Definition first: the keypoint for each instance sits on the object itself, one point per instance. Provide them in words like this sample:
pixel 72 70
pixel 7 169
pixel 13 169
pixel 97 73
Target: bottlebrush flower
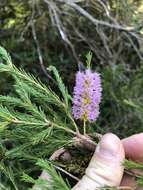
pixel 87 95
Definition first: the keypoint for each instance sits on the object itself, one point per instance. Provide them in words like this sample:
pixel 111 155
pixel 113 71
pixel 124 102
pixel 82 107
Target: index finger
pixel 133 146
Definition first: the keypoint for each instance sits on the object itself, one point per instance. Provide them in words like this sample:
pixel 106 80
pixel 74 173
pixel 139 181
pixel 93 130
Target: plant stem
pixel 76 128
pixel 48 123
pixel 84 127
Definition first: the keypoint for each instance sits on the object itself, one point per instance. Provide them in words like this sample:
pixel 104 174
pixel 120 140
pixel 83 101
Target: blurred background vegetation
pixel 38 33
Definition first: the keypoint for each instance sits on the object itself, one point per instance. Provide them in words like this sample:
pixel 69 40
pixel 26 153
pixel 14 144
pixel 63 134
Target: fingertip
pixel 110 146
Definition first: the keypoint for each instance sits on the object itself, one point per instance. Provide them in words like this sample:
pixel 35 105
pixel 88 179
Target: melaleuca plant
pixel 37 125
pixel 34 122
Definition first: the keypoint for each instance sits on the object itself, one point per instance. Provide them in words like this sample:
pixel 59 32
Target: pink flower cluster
pixel 87 96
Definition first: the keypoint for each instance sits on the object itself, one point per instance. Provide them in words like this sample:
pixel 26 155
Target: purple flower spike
pixel 87 96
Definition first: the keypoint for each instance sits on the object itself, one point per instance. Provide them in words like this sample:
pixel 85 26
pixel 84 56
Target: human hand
pixel 106 165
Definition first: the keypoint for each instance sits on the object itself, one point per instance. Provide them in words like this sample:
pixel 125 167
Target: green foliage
pixel 5 56
pixel 89 58
pixel 61 85
pixel 55 180
pixel 31 121
pixel 121 109
pixel 9 173
pixel 133 165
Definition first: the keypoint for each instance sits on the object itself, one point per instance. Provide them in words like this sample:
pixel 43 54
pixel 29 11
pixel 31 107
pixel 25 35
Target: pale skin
pixel 105 167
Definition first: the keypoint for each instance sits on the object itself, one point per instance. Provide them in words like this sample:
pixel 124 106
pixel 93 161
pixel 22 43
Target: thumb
pixel 105 167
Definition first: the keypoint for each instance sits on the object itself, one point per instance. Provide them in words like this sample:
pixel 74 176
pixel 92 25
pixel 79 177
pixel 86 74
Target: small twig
pixel 133 172
pixel 39 50
pixel 67 173
pixel 85 141
pixel 84 127
pixel 38 45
